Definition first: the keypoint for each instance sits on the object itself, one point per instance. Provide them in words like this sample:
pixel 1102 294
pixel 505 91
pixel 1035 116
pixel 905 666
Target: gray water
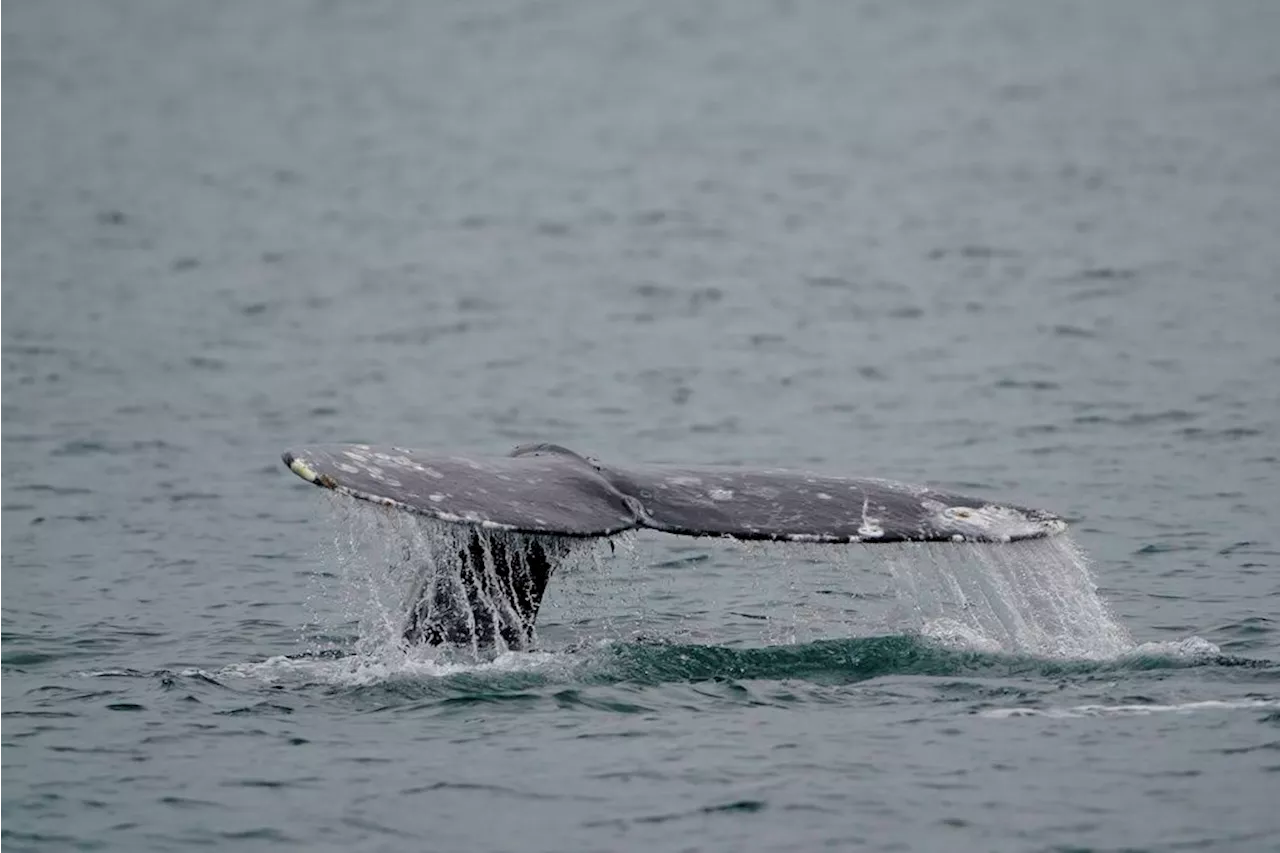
pixel 1026 250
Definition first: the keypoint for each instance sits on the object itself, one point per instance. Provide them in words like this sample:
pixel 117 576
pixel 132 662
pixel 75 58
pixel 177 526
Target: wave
pixel 427 672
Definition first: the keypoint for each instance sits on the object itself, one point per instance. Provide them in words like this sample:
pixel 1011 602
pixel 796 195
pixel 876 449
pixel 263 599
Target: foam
pixel 1143 710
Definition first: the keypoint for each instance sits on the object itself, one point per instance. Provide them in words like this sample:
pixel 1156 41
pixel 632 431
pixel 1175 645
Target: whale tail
pixel 523 509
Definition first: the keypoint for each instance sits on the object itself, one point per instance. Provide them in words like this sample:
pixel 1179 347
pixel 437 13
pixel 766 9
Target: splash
pixel 1033 597
pixel 390 663
pixel 389 560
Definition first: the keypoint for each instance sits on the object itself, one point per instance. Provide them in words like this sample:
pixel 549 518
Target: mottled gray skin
pixel 550 490
pixel 545 488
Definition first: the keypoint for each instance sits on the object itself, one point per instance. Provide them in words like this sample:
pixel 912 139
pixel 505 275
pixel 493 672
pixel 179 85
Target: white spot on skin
pixel 720 494
pixel 823 496
pixel 992 523
pixel 302 470
pixel 350 469
pixel 685 481
pixel 359 457
pixel 436 498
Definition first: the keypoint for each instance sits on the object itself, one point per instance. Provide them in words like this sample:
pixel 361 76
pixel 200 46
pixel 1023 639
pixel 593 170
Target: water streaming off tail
pixel 1034 597
pixel 389 560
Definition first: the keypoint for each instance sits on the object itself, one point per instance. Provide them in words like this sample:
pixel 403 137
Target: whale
pixel 519 513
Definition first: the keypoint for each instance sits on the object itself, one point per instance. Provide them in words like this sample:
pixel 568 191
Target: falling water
pixel 388 559
pixel 1034 597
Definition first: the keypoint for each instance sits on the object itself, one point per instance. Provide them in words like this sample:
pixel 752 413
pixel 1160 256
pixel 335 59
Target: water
pixel 1033 597
pixel 1024 250
pixel 1036 597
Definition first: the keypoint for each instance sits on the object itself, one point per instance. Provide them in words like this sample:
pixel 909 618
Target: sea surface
pixel 1022 250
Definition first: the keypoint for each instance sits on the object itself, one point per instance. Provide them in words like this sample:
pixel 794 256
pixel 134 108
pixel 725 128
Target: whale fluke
pixel 546 488
pixel 550 491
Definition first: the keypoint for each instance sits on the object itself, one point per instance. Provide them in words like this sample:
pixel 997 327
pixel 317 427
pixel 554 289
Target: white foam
pixel 1131 710
pixel 114 673
pixel 1191 648
pixel 358 670
pixel 953 634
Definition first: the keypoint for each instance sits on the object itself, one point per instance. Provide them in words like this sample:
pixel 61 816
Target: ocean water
pixel 1019 250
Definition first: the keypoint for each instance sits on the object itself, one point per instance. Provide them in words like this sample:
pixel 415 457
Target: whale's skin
pixel 548 489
